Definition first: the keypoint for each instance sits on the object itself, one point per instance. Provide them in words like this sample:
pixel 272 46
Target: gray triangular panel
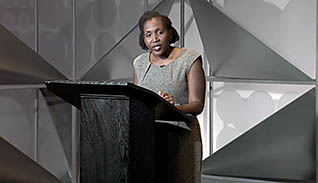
pixel 60 114
pixel 118 63
pixel 153 3
pixel 282 147
pixel 234 52
pixel 19 64
pixel 15 167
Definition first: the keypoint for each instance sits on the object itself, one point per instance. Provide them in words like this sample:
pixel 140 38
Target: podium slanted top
pixel 70 91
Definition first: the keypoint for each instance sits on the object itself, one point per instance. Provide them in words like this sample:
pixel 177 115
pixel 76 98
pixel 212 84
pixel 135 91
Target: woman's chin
pixel 157 52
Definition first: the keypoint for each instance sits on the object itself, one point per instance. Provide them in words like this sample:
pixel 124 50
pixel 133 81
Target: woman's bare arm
pixel 135 78
pixel 196 85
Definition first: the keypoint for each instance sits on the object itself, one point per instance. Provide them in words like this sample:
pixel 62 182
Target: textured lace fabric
pixel 172 79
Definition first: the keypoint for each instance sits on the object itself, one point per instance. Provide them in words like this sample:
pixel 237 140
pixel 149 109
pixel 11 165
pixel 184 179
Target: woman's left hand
pixel 169 98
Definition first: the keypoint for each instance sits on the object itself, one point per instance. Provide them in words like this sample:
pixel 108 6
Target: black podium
pixel 123 132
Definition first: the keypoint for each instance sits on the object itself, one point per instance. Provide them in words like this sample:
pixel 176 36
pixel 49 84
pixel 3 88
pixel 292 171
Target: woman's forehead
pixel 154 23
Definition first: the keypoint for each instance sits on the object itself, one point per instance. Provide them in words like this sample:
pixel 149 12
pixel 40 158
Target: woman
pixel 176 74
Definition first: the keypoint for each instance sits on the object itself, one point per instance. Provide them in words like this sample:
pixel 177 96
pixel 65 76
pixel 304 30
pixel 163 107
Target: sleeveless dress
pixel 172 79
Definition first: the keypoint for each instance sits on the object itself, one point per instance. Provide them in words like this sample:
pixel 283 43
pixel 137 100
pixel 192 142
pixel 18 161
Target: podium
pixel 124 131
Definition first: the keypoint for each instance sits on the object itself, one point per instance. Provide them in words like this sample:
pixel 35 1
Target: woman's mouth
pixel 157 48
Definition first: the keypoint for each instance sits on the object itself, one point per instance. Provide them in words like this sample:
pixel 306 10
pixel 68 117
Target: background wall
pixel 288 28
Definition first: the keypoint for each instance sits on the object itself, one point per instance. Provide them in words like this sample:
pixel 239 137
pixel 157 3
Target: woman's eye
pixel 148 35
pixel 160 32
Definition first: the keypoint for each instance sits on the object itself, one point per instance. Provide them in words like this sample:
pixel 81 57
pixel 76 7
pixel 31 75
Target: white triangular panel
pixel 234 52
pixel 239 107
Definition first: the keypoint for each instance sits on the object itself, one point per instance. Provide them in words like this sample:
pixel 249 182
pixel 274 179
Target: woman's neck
pixel 165 57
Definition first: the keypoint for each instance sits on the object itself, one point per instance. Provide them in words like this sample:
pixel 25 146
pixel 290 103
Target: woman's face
pixel 156 37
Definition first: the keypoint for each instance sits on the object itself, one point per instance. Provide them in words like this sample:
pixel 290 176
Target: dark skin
pixel 157 38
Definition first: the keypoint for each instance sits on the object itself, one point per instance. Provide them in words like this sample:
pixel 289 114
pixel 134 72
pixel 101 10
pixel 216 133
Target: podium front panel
pixel 117 140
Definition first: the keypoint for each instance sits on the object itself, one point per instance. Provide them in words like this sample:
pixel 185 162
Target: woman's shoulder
pixel 141 59
pixel 191 52
pixel 189 56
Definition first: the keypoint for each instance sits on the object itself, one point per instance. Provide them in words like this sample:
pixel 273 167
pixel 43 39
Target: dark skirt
pixel 183 157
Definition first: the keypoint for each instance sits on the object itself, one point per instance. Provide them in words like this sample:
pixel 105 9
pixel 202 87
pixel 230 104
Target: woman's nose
pixel 155 38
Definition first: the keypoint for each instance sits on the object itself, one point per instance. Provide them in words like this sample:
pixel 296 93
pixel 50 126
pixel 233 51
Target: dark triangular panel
pixel 15 167
pixel 19 64
pixel 234 52
pixel 117 64
pixel 282 147
pixel 60 115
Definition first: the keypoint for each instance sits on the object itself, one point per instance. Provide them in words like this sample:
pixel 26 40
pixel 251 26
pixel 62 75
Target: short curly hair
pixel 166 21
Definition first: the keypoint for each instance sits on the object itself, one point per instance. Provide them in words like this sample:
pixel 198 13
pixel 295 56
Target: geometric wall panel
pixel 153 3
pixel 19 64
pixel 18 18
pixel 17 119
pixel 286 26
pixel 55 34
pixel 117 63
pixel 233 52
pixel 100 25
pixel 54 135
pixel 282 147
pixel 18 168
pixel 237 107
pixel 59 117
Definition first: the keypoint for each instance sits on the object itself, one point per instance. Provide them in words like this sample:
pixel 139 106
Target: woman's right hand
pixel 168 97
